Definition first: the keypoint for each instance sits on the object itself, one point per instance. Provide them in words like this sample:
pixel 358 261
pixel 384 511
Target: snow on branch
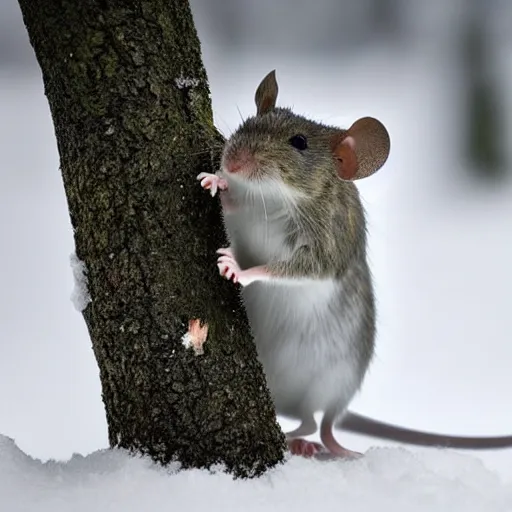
pixel 80 295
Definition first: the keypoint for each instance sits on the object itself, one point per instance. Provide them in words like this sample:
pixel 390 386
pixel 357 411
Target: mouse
pixel 298 250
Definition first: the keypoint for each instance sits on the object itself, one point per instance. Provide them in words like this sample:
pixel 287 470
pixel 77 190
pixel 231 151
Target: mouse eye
pixel 299 142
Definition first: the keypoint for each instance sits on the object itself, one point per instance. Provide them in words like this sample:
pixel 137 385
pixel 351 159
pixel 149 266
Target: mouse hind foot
pixel 299 446
pixel 333 447
pixel 309 449
pixel 330 448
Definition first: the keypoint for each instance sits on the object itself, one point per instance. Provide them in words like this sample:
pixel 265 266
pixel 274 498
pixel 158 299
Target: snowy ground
pixel 440 249
pixel 386 479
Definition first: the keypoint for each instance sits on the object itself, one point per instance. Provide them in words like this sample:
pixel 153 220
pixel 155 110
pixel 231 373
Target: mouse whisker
pixel 240 114
pixel 264 205
pixel 266 215
pixel 204 151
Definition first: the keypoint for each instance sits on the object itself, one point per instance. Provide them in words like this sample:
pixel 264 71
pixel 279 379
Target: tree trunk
pixel 130 105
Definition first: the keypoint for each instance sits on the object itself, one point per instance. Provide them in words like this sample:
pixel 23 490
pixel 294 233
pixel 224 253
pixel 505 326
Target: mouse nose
pixel 233 166
pixel 237 161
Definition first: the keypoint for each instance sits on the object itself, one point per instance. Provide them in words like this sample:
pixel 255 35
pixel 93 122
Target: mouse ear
pixel 266 94
pixel 362 150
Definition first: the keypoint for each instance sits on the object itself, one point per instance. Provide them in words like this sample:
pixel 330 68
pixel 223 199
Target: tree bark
pixel 132 115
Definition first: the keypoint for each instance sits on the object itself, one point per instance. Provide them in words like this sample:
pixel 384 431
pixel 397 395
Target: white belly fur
pixel 308 346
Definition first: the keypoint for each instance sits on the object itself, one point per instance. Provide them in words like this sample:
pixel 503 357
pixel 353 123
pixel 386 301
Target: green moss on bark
pixel 132 137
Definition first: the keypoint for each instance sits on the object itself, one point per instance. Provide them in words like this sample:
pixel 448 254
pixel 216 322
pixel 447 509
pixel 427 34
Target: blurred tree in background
pixel 483 123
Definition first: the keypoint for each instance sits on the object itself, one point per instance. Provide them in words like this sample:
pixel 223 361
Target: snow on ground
pixel 386 479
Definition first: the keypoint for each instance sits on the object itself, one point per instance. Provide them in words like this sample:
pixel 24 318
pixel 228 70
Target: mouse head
pixel 277 143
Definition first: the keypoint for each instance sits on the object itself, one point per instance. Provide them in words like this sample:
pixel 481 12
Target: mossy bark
pixel 130 103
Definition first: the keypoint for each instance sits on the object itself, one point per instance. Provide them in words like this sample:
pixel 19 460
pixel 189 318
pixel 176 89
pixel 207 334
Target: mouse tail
pixel 358 424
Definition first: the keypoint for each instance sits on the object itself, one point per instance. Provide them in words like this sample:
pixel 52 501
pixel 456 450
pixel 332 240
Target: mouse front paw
pixel 229 268
pixel 212 182
pixel 227 265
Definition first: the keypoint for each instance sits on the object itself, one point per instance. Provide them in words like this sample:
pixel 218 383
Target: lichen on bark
pixel 131 140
